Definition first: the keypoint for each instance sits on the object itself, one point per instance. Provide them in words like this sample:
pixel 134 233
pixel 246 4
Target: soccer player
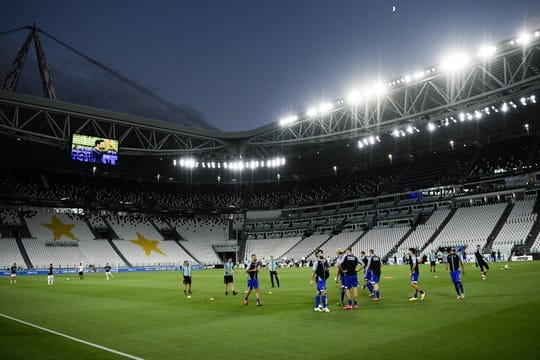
pixel 108 271
pixel 374 268
pixel 367 273
pixel 81 271
pixel 321 272
pixel 272 268
pixel 349 269
pixel 481 261
pixel 186 271
pixel 432 261
pixel 454 264
pixel 50 275
pixel 252 270
pixel 228 279
pixel 339 276
pixel 13 276
pixel 415 273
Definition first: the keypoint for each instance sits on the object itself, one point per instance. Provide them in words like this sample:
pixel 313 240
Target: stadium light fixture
pixel 455 62
pixel 288 120
pixel 312 111
pixel 524 39
pixel 504 107
pixel 431 127
pixel 379 88
pixel 325 107
pixel 410 129
pixel 487 51
pixel 360 144
pixel 477 115
pixel 418 75
pixel 395 133
pixel 354 97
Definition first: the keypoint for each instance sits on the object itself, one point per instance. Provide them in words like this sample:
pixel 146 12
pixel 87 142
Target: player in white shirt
pixel 81 271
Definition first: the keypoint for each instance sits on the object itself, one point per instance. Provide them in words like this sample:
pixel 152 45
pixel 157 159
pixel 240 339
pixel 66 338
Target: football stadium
pixel 398 219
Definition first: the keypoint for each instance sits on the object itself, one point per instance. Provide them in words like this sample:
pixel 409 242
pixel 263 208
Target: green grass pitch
pixel 147 315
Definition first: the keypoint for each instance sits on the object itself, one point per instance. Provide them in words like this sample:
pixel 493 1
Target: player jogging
pixel 321 272
pixel 252 270
pixel 80 269
pixel 455 265
pixel 339 276
pixel 374 268
pixel 415 274
pixel 272 268
pixel 349 269
pixel 50 275
pixel 228 279
pixel 13 275
pixel 108 273
pixel 481 262
pixel 186 272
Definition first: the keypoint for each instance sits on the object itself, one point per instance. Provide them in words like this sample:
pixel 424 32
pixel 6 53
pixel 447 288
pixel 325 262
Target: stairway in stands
pixel 358 239
pixel 187 251
pixel 498 226
pixel 401 241
pixel 319 246
pixel 439 229
pixel 535 229
pixel 292 247
pixel 119 253
pixel 24 254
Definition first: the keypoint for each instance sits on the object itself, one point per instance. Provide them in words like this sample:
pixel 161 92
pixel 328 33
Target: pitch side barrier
pixel 121 269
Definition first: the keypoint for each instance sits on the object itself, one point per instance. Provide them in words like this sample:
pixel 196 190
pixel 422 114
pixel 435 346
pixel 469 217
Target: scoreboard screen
pixel 93 149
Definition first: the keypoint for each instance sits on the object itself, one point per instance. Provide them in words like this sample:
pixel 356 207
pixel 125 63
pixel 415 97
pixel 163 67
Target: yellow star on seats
pixel 60 229
pixel 147 245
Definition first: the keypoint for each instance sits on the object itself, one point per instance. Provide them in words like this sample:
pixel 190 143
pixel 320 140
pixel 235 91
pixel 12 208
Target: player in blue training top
pixel 321 272
pixel 455 265
pixel 349 269
pixel 252 270
pixel 340 254
pixel 367 273
pixel 415 273
pixel 186 271
pixel 374 268
pixel 228 279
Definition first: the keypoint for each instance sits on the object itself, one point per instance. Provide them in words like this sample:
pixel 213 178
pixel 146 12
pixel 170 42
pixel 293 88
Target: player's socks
pixel 355 302
pixel 342 295
pixel 456 286
pixel 377 294
pixel 324 301
pixel 350 302
pixel 461 288
pixel 317 300
pixel 370 288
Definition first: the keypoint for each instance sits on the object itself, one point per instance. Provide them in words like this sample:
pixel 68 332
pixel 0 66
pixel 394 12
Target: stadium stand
pixel 10 253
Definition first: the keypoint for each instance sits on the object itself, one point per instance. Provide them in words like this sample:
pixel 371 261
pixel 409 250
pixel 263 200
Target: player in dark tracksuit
pixel 481 261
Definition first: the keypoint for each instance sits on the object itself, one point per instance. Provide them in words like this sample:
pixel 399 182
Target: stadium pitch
pixel 146 315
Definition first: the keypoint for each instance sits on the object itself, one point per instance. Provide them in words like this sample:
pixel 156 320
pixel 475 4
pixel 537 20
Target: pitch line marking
pixel 72 338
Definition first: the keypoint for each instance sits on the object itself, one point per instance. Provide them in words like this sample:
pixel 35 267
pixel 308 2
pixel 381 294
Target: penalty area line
pixel 72 338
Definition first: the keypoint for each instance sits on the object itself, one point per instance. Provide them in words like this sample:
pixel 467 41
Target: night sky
pixel 242 64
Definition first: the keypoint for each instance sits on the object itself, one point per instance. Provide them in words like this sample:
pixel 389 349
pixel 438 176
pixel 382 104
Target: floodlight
pixel 379 88
pixel 487 51
pixel 288 120
pixel 537 34
pixel 324 107
pixel 311 111
pixel 360 144
pixel 408 78
pixel 410 129
pixel 523 101
pixel 431 127
pixel 524 39
pixel 366 142
pixel 455 62
pixel 504 107
pixel 371 140
pixel 418 75
pixel 477 115
pixel 395 133
pixel 353 97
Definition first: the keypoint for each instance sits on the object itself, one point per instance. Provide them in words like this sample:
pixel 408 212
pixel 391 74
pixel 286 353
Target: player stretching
pixel 321 272
pixel 252 270
pixel 454 264
pixel 50 275
pixel 415 273
pixel 228 279
pixel 481 261
pixel 186 272
pixel 108 273
pixel 374 268
pixel 339 276
pixel 349 269
pixel 367 274
pixel 13 276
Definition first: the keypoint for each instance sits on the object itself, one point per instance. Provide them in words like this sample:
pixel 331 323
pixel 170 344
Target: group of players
pixel 348 266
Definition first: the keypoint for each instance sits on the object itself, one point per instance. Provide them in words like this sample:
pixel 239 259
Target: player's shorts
pixel 414 277
pixel 187 280
pixel 321 285
pixel 483 265
pixel 350 281
pixel 107 272
pixel 227 279
pixel 455 276
pixel 367 275
pixel 342 281
pixel 432 263
pixel 50 277
pixel 80 273
pixel 13 275
pixel 374 279
pixel 253 283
